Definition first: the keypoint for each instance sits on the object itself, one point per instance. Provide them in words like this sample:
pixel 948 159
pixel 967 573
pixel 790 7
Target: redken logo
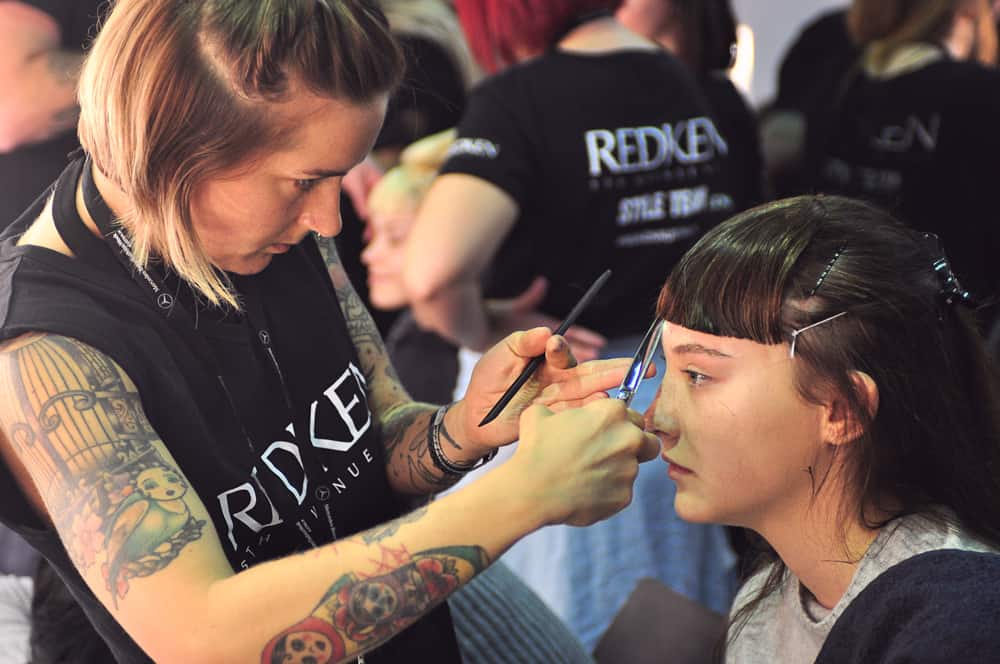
pixel 637 149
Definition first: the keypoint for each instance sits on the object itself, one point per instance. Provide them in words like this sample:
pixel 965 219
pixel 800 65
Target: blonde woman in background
pixel 913 127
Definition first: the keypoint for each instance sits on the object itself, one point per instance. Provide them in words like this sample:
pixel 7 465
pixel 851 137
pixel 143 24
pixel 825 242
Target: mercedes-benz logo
pixel 165 300
pixel 323 493
pixel 265 337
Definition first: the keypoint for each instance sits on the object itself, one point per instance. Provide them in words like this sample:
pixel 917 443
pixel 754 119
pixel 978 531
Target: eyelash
pixel 695 379
pixel 307 185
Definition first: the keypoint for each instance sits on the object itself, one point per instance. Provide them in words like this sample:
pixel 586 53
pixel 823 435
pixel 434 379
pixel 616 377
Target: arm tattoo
pixel 404 424
pixel 379 533
pixel 76 422
pixel 357 614
pixel 405 432
pixel 360 326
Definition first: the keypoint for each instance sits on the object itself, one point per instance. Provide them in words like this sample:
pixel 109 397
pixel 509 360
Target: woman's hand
pixel 578 466
pixel 559 384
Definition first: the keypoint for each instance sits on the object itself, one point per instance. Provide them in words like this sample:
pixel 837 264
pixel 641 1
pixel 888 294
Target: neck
pixel 666 35
pixel 810 539
pixel 604 34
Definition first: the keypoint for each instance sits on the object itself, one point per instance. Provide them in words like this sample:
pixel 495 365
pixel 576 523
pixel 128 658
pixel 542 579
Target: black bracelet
pixel 437 453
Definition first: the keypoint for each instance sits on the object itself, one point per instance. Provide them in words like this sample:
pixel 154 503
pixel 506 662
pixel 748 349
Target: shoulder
pixel 956 82
pixel 939 606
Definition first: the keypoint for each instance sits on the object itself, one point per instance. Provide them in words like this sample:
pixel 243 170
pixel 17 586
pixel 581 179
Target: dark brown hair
pixel 934 441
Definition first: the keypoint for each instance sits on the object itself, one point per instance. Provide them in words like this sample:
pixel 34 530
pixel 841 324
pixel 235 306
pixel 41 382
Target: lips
pixel 676 468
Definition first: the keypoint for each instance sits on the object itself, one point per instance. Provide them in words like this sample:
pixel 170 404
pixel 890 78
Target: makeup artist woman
pixel 202 432
pixel 592 148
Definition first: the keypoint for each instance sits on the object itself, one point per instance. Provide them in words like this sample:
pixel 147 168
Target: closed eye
pixel 308 184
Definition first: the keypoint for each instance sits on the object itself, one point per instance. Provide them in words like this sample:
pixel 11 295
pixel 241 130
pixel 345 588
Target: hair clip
pixel 827 270
pixel 951 290
pixel 795 333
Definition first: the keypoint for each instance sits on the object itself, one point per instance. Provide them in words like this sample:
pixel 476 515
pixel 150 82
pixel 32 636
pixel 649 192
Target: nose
pixel 371 251
pixel 321 212
pixel 660 417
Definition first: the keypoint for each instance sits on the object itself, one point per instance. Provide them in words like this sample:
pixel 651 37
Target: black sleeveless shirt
pixel 264 498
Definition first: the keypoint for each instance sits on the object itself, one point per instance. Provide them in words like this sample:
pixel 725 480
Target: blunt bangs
pixel 735 280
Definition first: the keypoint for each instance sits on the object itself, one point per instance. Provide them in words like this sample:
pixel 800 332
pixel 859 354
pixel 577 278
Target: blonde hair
pixel 404 186
pixel 175 92
pixel 883 26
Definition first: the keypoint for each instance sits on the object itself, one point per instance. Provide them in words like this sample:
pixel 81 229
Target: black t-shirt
pixel 426 363
pixel 822 53
pixel 268 498
pixel 28 170
pixel 738 123
pixel 809 81
pixel 925 144
pixel 615 161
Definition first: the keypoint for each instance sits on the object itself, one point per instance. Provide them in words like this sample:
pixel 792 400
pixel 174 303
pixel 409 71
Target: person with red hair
pixel 590 147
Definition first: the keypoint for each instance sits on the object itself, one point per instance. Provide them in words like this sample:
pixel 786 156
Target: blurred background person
pixel 913 127
pixel 814 63
pixel 42 43
pixel 496 605
pixel 440 69
pixel 703 34
pixel 427 364
pixel 590 147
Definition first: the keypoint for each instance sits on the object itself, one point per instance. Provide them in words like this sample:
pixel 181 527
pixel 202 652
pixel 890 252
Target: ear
pixel 841 425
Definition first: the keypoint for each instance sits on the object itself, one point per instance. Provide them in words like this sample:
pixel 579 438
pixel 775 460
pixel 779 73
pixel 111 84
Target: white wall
pixel 775 24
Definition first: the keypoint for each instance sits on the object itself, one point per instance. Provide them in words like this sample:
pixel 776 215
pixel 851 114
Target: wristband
pixel 438 457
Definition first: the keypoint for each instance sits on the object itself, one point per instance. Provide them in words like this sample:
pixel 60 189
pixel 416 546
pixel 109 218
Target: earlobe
pixel 843 425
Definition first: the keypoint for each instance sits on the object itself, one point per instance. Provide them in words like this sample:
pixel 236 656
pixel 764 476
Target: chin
pixel 246 266
pixel 693 510
pixel 386 301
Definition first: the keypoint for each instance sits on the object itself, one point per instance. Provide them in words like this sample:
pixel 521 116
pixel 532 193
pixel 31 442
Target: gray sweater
pixel 789 626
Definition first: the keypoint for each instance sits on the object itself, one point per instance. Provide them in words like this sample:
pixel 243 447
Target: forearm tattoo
pixel 76 422
pixel 358 613
pixel 403 423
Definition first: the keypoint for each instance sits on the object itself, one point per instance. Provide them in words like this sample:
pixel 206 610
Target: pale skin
pixel 462 222
pixel 385 252
pixel 164 576
pixel 746 449
pixel 37 76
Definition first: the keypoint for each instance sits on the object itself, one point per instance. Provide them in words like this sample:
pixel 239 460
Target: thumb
pixel 532 298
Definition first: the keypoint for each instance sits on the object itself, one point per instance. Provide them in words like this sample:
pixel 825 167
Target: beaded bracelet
pixel 437 453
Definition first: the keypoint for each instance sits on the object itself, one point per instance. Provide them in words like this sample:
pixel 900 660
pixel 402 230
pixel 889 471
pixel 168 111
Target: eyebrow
pixel 687 349
pixel 323 173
